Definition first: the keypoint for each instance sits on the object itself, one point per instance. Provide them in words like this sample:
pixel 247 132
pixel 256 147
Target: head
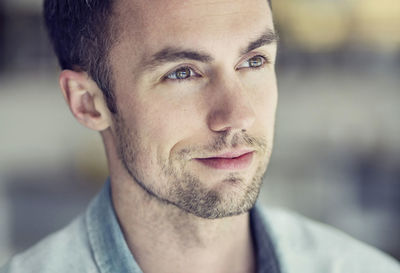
pixel 185 89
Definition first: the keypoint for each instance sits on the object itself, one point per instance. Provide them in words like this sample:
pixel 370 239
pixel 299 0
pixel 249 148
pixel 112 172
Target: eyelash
pixel 192 77
pixel 265 61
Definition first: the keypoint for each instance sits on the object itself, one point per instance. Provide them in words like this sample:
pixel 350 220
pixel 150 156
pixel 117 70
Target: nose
pixel 231 109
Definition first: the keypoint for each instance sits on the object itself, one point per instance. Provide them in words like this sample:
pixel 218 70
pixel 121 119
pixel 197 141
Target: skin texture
pixel 178 214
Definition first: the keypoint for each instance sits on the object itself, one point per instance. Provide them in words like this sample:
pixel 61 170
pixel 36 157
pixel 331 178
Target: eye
pixel 182 73
pixel 254 62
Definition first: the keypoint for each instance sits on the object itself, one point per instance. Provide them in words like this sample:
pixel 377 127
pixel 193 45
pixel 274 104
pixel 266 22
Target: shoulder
pixel 67 250
pixel 303 245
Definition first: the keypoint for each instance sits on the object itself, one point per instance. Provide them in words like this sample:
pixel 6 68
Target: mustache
pixel 225 142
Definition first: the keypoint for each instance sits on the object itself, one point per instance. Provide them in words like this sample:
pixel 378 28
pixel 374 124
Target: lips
pixel 229 161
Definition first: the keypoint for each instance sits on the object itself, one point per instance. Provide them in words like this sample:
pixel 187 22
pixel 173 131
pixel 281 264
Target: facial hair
pixel 182 188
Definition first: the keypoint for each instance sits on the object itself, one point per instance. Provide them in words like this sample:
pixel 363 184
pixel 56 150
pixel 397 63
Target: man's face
pixel 196 96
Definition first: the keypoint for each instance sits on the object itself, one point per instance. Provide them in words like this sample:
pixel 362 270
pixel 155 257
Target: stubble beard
pixel 183 189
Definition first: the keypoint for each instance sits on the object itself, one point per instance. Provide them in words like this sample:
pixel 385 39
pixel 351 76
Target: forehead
pixel 155 23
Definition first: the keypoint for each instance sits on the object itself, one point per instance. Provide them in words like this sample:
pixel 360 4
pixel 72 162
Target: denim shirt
pixel 284 242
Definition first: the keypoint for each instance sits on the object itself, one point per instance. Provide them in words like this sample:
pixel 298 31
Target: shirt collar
pixel 267 261
pixel 111 251
pixel 109 247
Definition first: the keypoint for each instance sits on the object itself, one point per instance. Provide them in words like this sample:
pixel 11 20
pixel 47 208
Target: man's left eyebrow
pixel 267 38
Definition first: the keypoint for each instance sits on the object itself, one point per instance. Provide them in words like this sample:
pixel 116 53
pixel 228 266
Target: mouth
pixel 238 160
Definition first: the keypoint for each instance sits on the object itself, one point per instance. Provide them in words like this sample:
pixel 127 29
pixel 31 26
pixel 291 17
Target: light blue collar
pixel 107 241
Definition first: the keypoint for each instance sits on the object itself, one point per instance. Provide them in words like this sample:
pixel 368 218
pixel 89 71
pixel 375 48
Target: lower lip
pixel 237 163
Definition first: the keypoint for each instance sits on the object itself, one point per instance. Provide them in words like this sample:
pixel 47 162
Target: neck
pixel 164 238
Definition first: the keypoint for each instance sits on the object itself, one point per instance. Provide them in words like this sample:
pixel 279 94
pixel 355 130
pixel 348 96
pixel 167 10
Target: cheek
pixel 261 85
pixel 265 103
pixel 162 124
pixel 265 99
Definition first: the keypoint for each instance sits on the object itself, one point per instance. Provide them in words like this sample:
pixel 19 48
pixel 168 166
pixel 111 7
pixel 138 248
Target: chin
pixel 233 196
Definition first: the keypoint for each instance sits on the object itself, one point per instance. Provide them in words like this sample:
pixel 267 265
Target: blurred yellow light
pixel 313 25
pixel 377 23
pixel 320 26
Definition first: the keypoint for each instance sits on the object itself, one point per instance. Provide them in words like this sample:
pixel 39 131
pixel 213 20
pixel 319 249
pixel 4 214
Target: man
pixel 184 95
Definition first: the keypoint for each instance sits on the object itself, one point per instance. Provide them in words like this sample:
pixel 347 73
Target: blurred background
pixel 337 148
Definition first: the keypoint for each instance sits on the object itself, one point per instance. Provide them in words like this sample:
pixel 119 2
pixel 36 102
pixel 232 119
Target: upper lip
pixel 229 154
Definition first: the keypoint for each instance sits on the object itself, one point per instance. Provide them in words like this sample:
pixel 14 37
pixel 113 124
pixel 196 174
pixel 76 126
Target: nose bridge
pixel 231 108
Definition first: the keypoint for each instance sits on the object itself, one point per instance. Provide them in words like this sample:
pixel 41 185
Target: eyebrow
pixel 267 38
pixel 174 54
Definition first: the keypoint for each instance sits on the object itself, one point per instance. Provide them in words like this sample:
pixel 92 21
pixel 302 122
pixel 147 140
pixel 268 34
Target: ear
pixel 85 100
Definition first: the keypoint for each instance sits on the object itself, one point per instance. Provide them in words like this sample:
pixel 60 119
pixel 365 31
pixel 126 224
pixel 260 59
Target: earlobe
pixel 85 100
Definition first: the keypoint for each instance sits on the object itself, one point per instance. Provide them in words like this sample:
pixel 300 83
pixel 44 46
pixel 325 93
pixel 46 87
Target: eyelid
pixel 180 66
pixel 253 55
